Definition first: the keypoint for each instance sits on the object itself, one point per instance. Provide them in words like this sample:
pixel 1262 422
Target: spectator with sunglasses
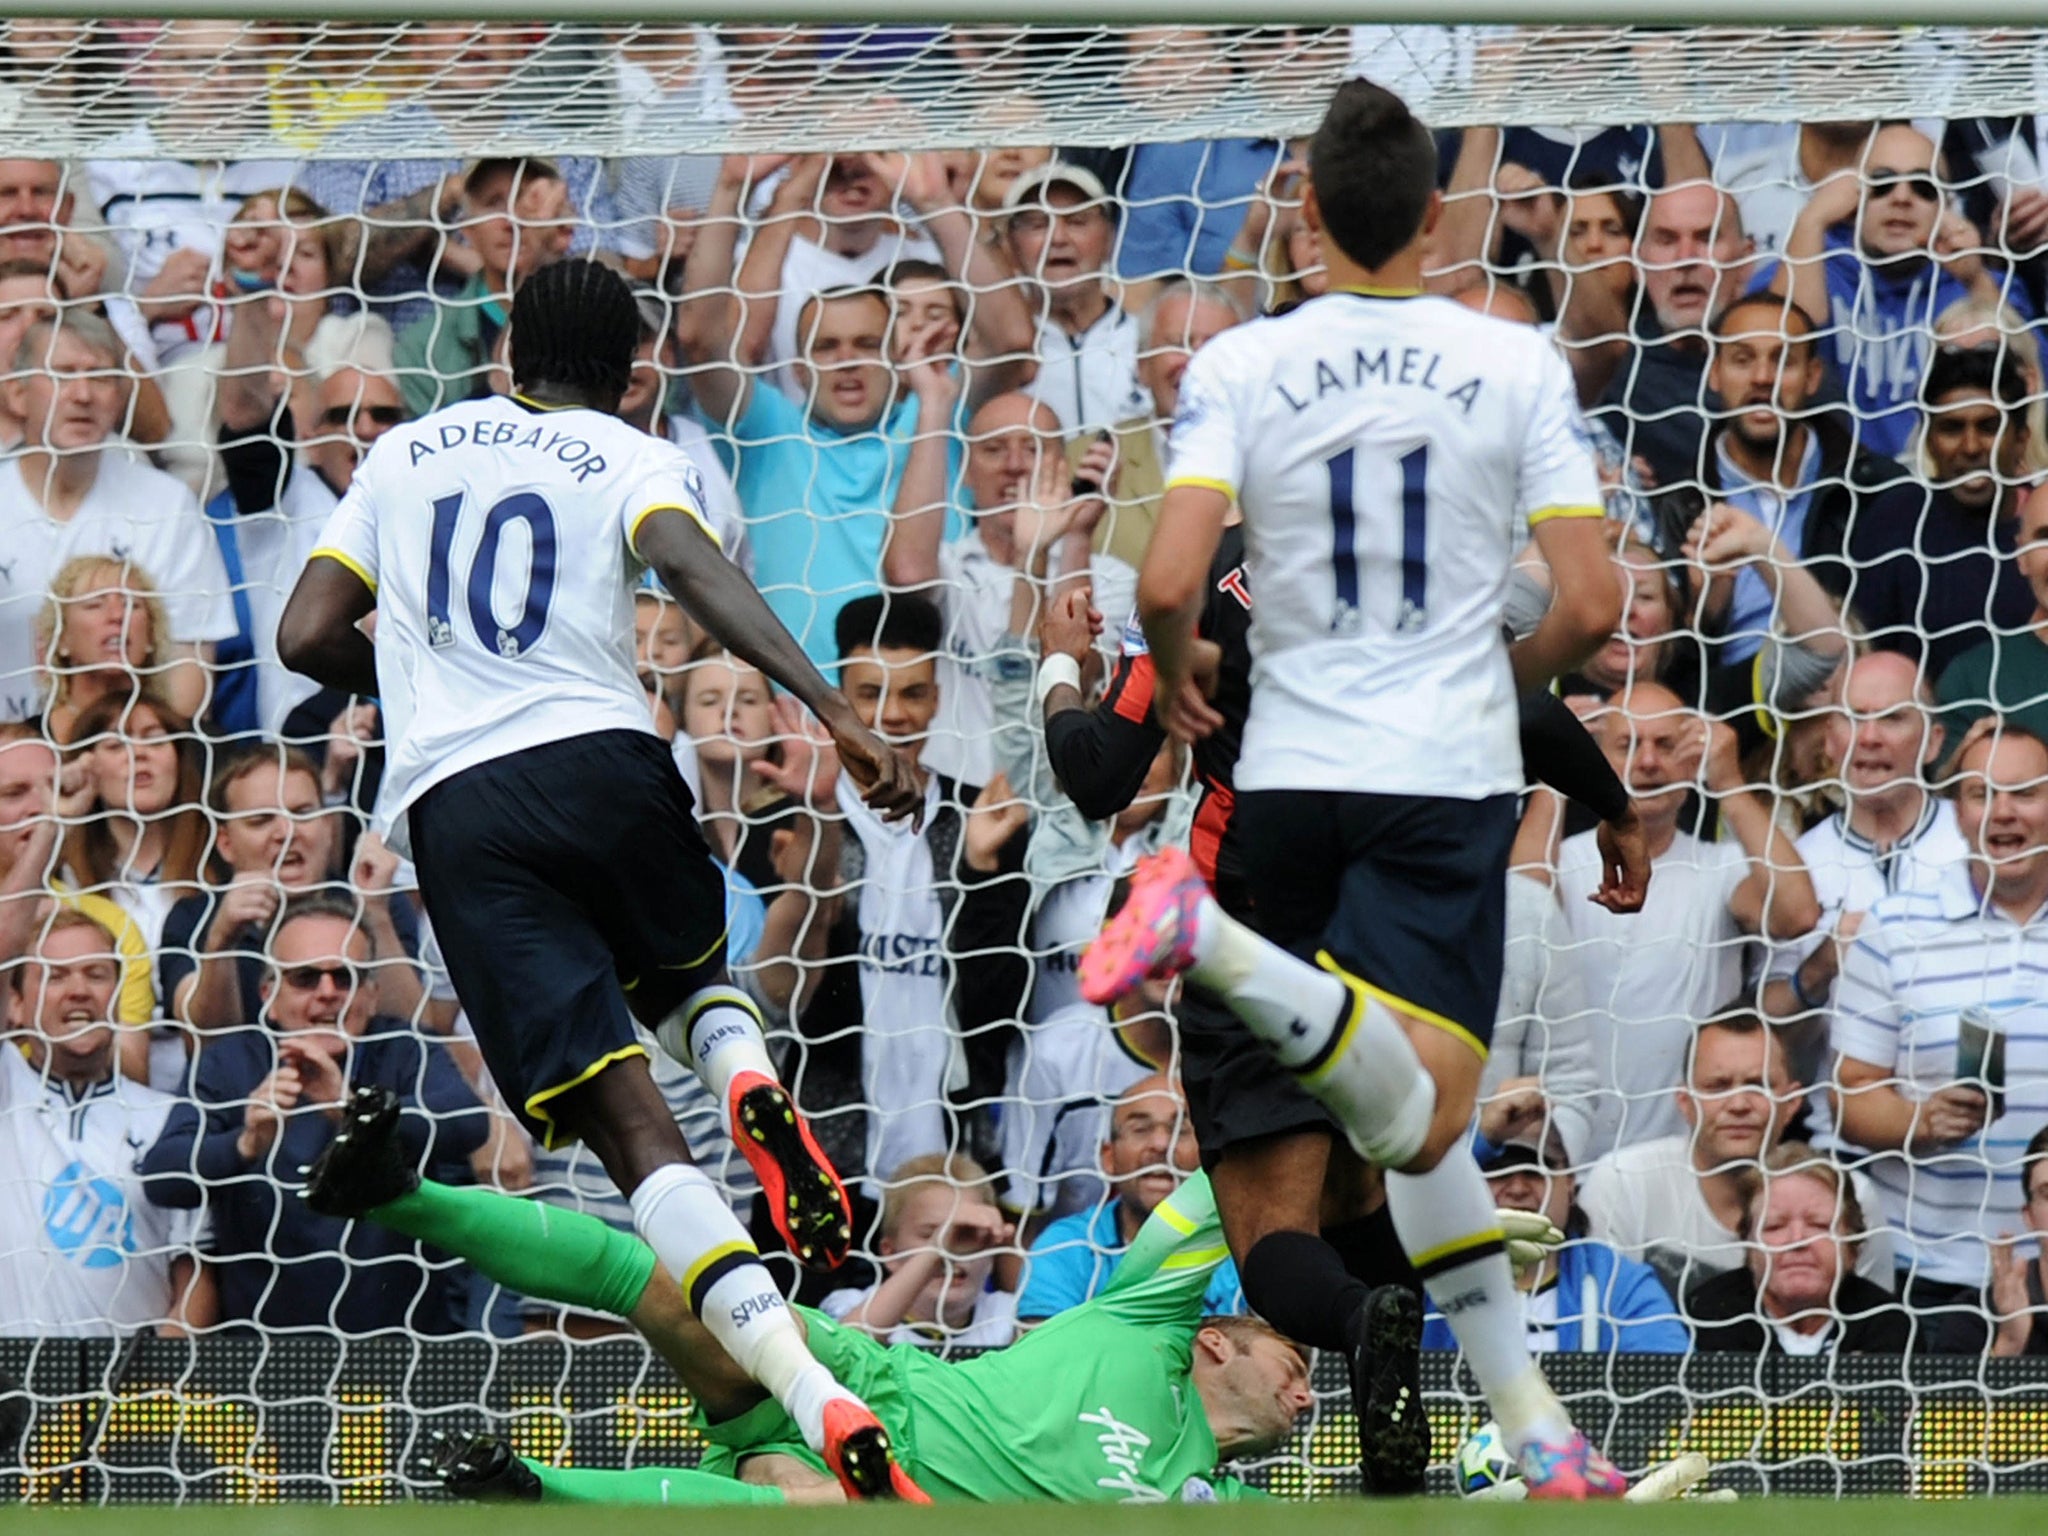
pixel 1874 257
pixel 267 1099
pixel 1936 577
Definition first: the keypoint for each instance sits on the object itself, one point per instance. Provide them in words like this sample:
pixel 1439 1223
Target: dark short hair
pixel 868 291
pixel 575 325
pixel 889 621
pixel 1732 1018
pixel 1373 165
pixel 1590 181
pixel 522 171
pixel 1991 370
pixel 912 270
pixel 319 904
pixel 1718 326
pixel 2032 1158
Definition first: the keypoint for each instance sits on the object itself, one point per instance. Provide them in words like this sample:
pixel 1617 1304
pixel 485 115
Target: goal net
pixel 916 301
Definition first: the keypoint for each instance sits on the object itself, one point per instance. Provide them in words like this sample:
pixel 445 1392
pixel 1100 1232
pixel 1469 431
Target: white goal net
pixel 916 301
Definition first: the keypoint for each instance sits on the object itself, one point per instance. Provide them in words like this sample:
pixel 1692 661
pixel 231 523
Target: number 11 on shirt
pixel 1414 466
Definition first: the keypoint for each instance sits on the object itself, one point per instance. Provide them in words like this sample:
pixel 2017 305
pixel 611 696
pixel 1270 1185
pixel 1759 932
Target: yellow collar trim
pixel 1379 293
pixel 535 405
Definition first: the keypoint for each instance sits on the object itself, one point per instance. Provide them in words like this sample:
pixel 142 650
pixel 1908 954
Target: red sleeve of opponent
pixel 1130 690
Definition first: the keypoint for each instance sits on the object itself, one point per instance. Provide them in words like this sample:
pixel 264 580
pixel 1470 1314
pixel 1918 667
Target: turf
pixel 1436 1517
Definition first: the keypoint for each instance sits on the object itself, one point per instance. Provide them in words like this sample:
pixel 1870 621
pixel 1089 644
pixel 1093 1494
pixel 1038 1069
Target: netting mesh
pixel 923 347
pixel 251 90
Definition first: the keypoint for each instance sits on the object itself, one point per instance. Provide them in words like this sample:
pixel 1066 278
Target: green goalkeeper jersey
pixel 1098 1404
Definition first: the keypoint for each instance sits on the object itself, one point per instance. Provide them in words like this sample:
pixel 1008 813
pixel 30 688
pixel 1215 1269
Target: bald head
pixel 1882 737
pixel 1693 251
pixel 1151 1146
pixel 1902 197
pixel 1503 301
pixel 1007 440
pixel 1654 743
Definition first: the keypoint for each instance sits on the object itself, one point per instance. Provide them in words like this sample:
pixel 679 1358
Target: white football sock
pixel 717 1030
pixel 680 1214
pixel 1350 1049
pixel 1446 1222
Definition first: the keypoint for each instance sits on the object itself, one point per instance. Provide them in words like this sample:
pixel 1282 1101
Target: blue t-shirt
pixel 1186 202
pixel 1075 1256
pixel 1881 318
pixel 817 502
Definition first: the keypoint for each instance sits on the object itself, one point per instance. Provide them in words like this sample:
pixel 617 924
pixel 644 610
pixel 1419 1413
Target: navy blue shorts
pixel 571 892
pixel 1406 892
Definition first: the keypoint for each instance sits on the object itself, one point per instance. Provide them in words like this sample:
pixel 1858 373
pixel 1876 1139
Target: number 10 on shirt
pixel 1344 559
pixel 510 641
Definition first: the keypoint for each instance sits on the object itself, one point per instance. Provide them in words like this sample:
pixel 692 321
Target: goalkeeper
pixel 1131 1397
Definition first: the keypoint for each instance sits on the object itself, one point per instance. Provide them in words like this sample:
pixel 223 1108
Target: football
pixel 1483 1461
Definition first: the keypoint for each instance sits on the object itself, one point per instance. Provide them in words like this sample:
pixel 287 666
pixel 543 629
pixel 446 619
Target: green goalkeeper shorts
pixel 869 1370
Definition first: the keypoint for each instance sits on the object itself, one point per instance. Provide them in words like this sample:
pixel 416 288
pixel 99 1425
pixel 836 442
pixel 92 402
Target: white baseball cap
pixel 1030 187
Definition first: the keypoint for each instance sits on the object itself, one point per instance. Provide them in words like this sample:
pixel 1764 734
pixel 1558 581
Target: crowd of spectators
pixel 1799 1103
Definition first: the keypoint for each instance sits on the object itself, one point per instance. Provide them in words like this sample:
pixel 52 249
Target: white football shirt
pixel 1387 452
pixel 83 1253
pixel 133 512
pixel 499 542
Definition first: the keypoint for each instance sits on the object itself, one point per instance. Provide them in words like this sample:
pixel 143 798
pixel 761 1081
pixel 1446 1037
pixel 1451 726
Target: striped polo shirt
pixel 1920 959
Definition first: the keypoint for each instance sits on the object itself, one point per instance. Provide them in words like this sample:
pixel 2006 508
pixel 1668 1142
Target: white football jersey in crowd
pixel 499 541
pixel 1650 974
pixel 83 1253
pixel 1386 452
pixel 155 207
pixel 133 512
pixel 909 1051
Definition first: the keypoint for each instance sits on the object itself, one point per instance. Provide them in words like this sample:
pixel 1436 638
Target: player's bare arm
pixel 719 596
pixel 1170 587
pixel 320 634
pixel 1586 604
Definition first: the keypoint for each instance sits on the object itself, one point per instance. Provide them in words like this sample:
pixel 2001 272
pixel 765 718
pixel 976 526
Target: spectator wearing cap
pixel 2019 1284
pixel 2008 673
pixel 1584 1298
pixel 269 1098
pixel 1874 258
pixel 516 217
pixel 1799 1292
pixel 1935 575
pixel 1060 230
pixel 1938 1128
